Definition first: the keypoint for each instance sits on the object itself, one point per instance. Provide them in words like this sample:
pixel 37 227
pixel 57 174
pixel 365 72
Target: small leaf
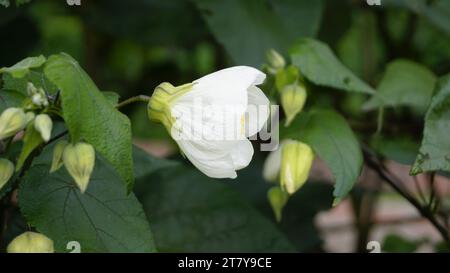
pixel 404 83
pixel 31 140
pixel 21 68
pixel 318 64
pixel 434 153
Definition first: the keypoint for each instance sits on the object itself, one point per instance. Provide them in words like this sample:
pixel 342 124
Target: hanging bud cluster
pixel 37 95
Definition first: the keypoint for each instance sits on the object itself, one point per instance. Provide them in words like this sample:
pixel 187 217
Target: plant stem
pixel 140 98
pixel 373 162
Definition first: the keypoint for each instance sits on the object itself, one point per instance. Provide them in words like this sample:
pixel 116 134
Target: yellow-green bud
pixel 31 242
pixel 277 199
pixel 272 166
pixel 79 160
pixel 30 117
pixel 6 171
pixel 275 60
pixel 31 89
pixel 12 120
pixel 293 99
pixel 58 151
pixel 160 104
pixel 43 124
pixel 296 162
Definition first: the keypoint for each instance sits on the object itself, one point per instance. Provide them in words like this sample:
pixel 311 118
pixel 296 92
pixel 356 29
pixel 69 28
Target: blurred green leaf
pixel 193 213
pixel 395 243
pixel 434 153
pixel 10 98
pixel 103 219
pixel 318 64
pixel 90 116
pixel 258 26
pixel 21 68
pixel 405 83
pixel 333 141
pixel 402 149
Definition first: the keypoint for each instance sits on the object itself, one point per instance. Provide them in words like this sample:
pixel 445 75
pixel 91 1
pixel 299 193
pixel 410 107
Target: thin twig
pixel 140 98
pixel 373 162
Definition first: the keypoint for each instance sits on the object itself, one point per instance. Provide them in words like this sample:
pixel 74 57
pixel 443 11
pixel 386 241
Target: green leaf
pixel 434 152
pixel 20 84
pixel 90 116
pixel 318 64
pixel 103 219
pixel 10 98
pixel 31 141
pixel 193 213
pixel 146 164
pixel 333 141
pixel 112 97
pixel 258 26
pixel 21 68
pixel 405 83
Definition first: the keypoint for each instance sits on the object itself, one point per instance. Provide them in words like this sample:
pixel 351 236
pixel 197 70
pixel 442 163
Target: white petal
pixel 209 159
pixel 242 154
pixel 258 111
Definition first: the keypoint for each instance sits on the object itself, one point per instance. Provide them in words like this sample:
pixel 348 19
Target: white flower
pixel 212 117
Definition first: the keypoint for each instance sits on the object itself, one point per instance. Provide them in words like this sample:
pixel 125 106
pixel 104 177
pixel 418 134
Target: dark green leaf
pixel 90 116
pixel 193 213
pixel 434 153
pixel 258 26
pixel 318 64
pixel 333 141
pixel 405 83
pixel 103 219
pixel 21 68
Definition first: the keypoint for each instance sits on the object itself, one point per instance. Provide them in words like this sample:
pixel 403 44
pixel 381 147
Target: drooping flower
pixel 293 98
pixel 31 242
pixel 79 160
pixel 12 120
pixel 212 117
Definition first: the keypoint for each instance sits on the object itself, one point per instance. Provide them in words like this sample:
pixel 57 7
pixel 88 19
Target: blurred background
pixel 129 47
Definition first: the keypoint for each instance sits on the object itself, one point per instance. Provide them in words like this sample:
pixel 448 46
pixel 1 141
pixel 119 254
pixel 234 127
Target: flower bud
pixel 275 60
pixel 31 89
pixel 293 99
pixel 43 124
pixel 30 117
pixel 6 171
pixel 79 160
pixel 12 120
pixel 296 162
pixel 58 151
pixel 272 166
pixel 31 242
pixel 277 199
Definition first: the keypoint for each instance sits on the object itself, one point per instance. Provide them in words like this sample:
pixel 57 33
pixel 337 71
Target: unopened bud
pixel 79 160
pixel 30 117
pixel 293 99
pixel 272 166
pixel 275 60
pixel 43 124
pixel 296 162
pixel 31 242
pixel 12 120
pixel 31 89
pixel 277 199
pixel 58 151
pixel 6 171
